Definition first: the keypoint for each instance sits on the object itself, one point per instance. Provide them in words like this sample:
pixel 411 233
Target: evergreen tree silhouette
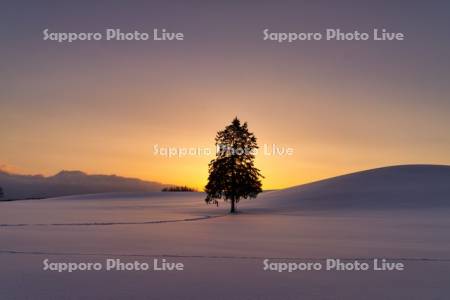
pixel 232 174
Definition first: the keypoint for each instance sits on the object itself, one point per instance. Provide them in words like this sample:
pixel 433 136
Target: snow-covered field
pixel 398 214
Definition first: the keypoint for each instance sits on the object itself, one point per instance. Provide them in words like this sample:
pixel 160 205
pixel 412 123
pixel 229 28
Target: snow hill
pixel 405 186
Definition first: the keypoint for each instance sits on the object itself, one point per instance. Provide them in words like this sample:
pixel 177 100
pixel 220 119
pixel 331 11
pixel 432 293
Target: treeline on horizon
pixel 178 189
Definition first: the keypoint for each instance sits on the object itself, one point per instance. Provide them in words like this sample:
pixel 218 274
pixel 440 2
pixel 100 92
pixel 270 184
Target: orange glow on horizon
pixel 336 124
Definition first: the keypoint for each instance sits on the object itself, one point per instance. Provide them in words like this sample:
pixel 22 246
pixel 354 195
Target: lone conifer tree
pixel 232 174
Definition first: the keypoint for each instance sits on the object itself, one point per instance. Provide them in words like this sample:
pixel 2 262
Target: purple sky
pixel 99 106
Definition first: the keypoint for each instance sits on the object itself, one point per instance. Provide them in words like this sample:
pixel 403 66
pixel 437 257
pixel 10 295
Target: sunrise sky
pixel 100 106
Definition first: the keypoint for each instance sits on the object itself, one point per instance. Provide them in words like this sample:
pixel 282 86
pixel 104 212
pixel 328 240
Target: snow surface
pixel 399 213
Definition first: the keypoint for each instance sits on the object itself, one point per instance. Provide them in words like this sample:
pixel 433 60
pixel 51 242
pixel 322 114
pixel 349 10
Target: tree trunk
pixel 233 209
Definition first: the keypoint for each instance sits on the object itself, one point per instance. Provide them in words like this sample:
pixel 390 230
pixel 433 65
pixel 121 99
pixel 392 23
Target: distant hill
pixel 66 183
pixel 405 186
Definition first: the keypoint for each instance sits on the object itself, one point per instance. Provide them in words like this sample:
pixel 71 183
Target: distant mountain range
pixel 65 183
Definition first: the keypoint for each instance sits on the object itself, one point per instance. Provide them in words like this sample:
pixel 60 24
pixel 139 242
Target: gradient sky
pixel 100 106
